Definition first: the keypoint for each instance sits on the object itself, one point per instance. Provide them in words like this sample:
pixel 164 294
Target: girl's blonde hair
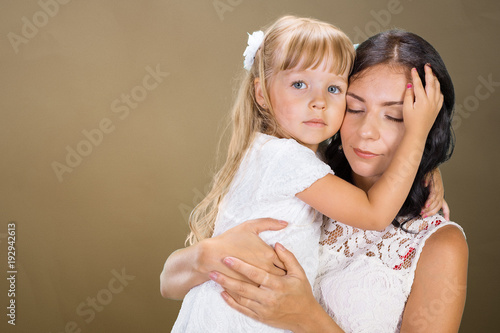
pixel 289 43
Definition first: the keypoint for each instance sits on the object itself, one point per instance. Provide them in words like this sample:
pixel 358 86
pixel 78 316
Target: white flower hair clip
pixel 254 42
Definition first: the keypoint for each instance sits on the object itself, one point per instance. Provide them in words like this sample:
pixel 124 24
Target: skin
pixel 441 275
pixel 309 105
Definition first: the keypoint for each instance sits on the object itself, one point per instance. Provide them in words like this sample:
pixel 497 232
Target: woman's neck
pixel 364 183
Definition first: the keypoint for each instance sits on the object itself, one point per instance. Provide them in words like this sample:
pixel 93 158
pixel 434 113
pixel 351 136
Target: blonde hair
pixel 289 43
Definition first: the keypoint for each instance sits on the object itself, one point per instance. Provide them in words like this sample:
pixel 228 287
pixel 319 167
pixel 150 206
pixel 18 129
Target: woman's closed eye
pixel 396 119
pixel 354 111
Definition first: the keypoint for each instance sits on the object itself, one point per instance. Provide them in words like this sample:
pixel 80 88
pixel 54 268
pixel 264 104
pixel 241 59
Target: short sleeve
pixel 288 168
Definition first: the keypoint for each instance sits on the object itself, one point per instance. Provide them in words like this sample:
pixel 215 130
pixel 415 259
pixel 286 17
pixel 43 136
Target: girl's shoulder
pixel 269 142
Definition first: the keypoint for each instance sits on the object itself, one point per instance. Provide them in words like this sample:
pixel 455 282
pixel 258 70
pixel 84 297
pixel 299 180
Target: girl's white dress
pixel 365 277
pixel 271 173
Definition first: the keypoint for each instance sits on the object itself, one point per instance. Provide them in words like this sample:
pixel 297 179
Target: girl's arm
pixel 377 208
pixel 189 267
pixel 285 302
pixel 437 297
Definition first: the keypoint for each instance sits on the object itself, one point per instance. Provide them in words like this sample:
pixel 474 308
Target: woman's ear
pixel 259 97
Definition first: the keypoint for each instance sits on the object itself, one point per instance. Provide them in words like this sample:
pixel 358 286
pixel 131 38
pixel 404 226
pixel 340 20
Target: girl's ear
pixel 259 97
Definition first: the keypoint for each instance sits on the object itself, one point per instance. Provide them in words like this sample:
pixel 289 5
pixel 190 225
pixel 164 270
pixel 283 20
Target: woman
pixel 369 281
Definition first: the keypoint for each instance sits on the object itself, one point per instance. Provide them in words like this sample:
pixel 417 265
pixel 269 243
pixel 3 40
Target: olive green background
pixel 122 208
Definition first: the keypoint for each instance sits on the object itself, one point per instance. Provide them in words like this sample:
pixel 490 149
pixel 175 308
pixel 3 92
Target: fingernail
pixel 213 276
pixel 228 261
pixel 409 85
pixel 283 222
pixel 427 64
pixel 427 206
pixel 225 295
pixel 279 246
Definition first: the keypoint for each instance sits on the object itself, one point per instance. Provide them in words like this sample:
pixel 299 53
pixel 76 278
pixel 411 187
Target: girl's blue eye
pixel 299 85
pixel 333 89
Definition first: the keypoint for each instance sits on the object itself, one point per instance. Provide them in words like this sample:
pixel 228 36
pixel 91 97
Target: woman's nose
pixel 369 129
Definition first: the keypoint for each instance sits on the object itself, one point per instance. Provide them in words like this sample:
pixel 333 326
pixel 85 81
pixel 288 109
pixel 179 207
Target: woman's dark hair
pixel 404 49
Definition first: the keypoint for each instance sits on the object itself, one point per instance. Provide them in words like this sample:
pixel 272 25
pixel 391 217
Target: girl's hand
pixel 421 106
pixel 281 301
pixel 436 201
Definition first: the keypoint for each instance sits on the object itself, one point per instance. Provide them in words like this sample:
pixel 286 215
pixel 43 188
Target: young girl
pixel 292 100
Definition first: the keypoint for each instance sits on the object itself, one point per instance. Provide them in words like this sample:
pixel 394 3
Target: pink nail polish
pixel 228 261
pixel 409 85
pixel 213 276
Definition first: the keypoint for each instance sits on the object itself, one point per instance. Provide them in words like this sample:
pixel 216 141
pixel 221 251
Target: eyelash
pixel 354 111
pixel 339 90
pixel 397 120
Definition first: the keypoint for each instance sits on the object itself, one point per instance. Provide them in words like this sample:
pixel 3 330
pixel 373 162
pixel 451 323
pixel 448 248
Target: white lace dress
pixel 270 175
pixel 365 277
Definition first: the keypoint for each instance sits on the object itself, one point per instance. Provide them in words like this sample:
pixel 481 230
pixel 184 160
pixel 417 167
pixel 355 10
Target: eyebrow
pixel 361 99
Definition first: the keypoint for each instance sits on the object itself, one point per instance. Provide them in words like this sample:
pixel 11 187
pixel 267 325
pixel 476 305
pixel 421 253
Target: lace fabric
pixel 365 277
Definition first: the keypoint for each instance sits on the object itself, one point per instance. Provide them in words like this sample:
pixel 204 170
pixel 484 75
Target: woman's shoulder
pixel 445 244
pixel 436 235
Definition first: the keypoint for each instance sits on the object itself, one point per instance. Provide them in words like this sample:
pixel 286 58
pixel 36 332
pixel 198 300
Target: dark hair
pixel 404 49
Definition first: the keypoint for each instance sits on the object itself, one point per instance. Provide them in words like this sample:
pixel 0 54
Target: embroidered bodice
pixel 365 277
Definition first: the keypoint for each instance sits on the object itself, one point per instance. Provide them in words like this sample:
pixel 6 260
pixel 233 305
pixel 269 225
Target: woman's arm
pixel 437 298
pixel 436 201
pixel 285 302
pixel 376 209
pixel 189 267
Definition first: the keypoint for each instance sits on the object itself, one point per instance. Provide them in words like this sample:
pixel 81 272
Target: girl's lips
pixel 315 123
pixel 365 154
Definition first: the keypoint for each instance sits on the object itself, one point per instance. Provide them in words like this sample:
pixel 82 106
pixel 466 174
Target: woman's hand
pixel 435 201
pixel 243 242
pixel 281 301
pixel 189 267
pixel 421 107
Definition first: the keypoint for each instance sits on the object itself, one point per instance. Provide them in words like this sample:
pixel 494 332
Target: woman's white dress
pixel 365 277
pixel 270 175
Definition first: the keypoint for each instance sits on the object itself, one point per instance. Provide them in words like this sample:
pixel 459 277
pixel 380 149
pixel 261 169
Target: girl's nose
pixel 318 101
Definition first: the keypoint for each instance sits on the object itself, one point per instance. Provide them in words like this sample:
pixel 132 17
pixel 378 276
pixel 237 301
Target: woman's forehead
pixel 380 83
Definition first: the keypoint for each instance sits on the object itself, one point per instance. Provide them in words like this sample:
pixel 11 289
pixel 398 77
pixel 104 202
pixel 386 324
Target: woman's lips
pixel 315 123
pixel 364 153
